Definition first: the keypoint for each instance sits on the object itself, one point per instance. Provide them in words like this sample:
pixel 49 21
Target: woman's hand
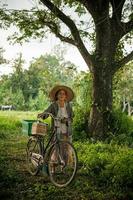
pixel 40 115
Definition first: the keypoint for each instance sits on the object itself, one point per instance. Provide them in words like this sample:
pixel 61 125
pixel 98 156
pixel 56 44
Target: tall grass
pixel 11 122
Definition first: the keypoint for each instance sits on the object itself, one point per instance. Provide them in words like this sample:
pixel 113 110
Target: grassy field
pixel 105 171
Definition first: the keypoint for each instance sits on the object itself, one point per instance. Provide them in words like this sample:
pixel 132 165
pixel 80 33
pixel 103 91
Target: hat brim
pixel 70 93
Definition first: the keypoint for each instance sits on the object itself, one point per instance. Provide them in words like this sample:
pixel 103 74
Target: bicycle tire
pixel 62 163
pixel 34 155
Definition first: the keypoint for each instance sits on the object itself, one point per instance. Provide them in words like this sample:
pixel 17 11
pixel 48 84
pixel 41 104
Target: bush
pixel 109 169
pixel 121 128
pixel 80 124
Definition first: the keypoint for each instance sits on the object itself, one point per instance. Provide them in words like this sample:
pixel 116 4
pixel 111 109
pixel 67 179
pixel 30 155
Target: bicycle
pixel 57 156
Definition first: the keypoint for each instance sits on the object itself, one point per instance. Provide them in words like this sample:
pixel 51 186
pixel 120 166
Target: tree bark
pixel 102 102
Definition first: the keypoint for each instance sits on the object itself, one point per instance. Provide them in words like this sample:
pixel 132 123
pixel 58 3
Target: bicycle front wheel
pixel 62 163
pixel 34 157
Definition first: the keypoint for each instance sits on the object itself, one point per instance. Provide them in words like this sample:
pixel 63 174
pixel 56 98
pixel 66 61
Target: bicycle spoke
pixel 62 164
pixel 34 158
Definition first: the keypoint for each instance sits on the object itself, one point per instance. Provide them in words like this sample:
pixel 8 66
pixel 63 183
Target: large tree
pixel 110 26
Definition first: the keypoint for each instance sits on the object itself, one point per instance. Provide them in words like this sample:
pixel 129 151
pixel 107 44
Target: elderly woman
pixel 61 96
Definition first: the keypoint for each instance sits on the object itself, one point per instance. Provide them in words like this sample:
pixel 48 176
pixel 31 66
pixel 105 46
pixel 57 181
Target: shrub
pixel 121 128
pixel 80 124
pixel 109 168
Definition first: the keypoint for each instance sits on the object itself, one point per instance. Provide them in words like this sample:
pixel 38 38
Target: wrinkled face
pixel 61 95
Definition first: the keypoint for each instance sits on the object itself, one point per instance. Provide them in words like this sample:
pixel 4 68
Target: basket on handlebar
pixel 32 127
pixel 39 128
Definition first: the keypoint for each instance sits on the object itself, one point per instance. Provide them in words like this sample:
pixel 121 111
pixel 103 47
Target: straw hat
pixel 70 94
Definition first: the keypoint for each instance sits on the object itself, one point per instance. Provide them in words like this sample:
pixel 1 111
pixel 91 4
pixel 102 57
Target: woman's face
pixel 61 96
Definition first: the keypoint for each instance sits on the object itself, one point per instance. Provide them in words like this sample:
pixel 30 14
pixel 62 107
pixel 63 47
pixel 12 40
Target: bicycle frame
pixel 40 139
pixel 52 157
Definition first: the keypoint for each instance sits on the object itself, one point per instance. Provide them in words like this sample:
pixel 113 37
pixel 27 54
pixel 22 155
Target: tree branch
pixel 126 59
pixel 121 28
pixel 126 27
pixel 74 31
pixel 55 29
pixel 123 61
pixel 117 6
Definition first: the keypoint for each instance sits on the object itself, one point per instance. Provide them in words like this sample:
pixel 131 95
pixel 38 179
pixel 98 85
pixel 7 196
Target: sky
pixel 34 48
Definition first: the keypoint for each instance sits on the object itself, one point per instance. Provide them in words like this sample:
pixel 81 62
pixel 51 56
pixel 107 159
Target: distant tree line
pixel 28 89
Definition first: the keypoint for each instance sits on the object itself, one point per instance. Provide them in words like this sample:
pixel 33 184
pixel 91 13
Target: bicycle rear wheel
pixel 62 163
pixel 34 157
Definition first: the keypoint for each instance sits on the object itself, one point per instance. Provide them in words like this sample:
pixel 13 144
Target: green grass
pixel 105 171
pixel 11 122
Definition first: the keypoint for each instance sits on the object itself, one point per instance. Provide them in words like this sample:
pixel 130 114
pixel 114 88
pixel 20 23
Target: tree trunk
pixel 102 102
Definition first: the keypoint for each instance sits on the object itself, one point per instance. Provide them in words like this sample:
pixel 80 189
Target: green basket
pixel 27 126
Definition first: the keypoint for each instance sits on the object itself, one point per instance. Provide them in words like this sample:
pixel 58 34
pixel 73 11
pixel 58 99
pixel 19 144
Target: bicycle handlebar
pixel 50 114
pixel 55 118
